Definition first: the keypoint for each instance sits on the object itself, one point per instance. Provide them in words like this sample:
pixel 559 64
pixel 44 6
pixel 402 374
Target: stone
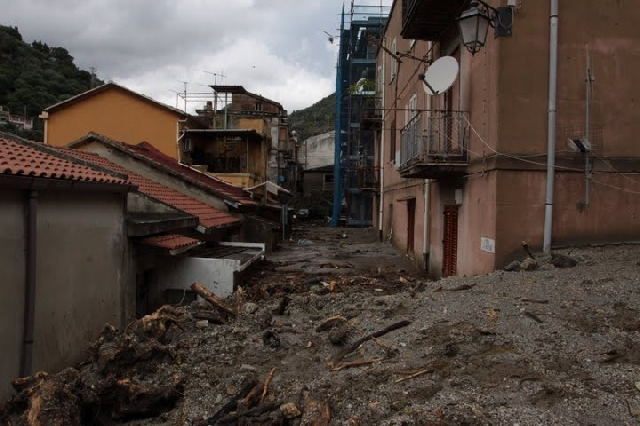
pixel 290 411
pixel 202 324
pixel 562 261
pixel 250 308
pixel 529 264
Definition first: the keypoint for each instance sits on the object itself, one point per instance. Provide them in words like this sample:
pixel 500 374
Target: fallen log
pixel 214 300
pixel 355 345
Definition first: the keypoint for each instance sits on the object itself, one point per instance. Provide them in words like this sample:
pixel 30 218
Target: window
pixel 392 144
pixel 394 63
pixel 412 109
pixel 258 106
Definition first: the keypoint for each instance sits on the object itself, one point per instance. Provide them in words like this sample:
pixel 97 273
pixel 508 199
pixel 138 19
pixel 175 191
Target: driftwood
pixel 214 300
pixel 331 322
pixel 414 375
pixel 355 345
pixel 343 365
pixel 267 381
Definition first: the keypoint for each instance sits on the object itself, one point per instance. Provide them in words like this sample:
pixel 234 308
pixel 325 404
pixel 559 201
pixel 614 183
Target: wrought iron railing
pixel 435 137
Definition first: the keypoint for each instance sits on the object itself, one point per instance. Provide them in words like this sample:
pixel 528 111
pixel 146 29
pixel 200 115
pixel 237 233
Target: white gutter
pixel 551 129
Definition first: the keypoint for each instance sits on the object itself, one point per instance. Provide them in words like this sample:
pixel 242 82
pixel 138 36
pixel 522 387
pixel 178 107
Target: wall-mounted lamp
pixel 474 24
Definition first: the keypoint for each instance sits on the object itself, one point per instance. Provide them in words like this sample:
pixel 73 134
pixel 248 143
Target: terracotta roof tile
pixel 208 216
pixel 23 158
pixel 147 150
pixel 170 242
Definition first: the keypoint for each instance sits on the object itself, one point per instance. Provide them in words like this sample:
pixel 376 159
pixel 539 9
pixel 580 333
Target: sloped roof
pixel 111 85
pixel 171 242
pixel 208 216
pixel 19 157
pixel 149 154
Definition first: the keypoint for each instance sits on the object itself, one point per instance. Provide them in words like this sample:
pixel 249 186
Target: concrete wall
pixel 118 115
pixel 319 150
pixel 180 272
pixel 504 87
pixel 12 276
pixel 81 275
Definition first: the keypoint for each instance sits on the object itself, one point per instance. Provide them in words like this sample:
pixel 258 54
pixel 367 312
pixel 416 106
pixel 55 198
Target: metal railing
pixel 435 137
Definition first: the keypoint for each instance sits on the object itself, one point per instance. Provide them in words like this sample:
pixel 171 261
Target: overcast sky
pixel 276 48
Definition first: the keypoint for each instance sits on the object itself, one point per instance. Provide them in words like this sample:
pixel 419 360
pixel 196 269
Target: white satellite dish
pixel 440 75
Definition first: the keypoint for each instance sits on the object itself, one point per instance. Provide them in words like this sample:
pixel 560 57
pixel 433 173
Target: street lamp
pixel 475 21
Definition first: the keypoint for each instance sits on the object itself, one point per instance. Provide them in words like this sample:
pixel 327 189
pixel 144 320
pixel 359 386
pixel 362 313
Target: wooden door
pixel 450 242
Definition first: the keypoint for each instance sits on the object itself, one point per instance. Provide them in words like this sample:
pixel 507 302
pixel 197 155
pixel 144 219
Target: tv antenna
pixel 440 75
pixel 215 76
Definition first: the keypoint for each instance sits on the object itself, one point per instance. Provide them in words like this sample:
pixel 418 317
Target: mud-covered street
pixel 336 328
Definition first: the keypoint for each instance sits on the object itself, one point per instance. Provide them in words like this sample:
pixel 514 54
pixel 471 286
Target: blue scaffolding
pixel 355 180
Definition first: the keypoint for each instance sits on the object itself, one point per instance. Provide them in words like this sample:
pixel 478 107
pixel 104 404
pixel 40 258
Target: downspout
pixel 551 129
pixel 426 236
pixel 26 363
pixel 381 159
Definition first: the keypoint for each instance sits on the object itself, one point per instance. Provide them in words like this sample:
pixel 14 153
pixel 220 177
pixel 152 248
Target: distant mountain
pixel 35 76
pixel 317 119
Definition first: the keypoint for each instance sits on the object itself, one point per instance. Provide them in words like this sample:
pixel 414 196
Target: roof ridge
pixel 39 146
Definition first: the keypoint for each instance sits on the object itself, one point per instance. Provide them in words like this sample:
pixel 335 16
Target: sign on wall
pixel 487 244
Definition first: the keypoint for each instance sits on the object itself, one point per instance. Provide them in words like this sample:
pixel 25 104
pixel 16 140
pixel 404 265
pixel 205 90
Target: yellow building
pixel 116 112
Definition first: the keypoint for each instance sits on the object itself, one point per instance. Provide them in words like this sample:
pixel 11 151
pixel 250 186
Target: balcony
pixel 428 19
pixel 434 145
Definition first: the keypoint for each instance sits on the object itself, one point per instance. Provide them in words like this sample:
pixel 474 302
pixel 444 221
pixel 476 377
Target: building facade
pixel 470 173
pixel 118 113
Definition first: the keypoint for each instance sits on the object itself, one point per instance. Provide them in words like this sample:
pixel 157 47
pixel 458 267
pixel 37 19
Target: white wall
pixel 319 150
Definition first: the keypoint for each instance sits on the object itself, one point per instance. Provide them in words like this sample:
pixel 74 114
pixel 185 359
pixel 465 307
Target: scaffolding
pixel 355 181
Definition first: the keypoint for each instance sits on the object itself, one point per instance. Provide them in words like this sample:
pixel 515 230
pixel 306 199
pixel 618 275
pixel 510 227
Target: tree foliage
pixel 35 76
pixel 317 119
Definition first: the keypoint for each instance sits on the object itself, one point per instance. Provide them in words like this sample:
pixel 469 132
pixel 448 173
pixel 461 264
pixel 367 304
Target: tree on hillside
pixel 35 76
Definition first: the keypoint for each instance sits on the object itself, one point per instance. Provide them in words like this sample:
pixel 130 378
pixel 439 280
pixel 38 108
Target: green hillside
pixel 317 119
pixel 35 76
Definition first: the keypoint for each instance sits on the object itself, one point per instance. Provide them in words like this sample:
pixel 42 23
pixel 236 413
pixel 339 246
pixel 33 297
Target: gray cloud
pixel 273 47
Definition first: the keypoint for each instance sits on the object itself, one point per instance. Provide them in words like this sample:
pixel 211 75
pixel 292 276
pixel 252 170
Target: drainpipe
pixel 551 129
pixel 382 156
pixel 426 236
pixel 26 363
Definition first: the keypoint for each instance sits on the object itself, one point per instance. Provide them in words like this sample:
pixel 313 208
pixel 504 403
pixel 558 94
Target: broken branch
pixel 265 389
pixel 414 375
pixel 344 365
pixel 355 345
pixel 212 298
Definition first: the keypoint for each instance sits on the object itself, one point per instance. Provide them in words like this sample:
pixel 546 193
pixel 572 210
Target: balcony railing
pixel 434 143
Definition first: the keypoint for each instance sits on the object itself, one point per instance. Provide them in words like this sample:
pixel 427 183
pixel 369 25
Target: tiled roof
pixel 150 152
pixel 24 158
pixel 170 242
pixel 208 216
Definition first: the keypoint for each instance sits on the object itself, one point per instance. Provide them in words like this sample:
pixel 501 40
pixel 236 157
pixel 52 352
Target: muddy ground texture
pixel 338 329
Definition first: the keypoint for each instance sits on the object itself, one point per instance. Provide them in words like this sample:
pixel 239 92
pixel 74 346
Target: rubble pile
pixel 343 332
